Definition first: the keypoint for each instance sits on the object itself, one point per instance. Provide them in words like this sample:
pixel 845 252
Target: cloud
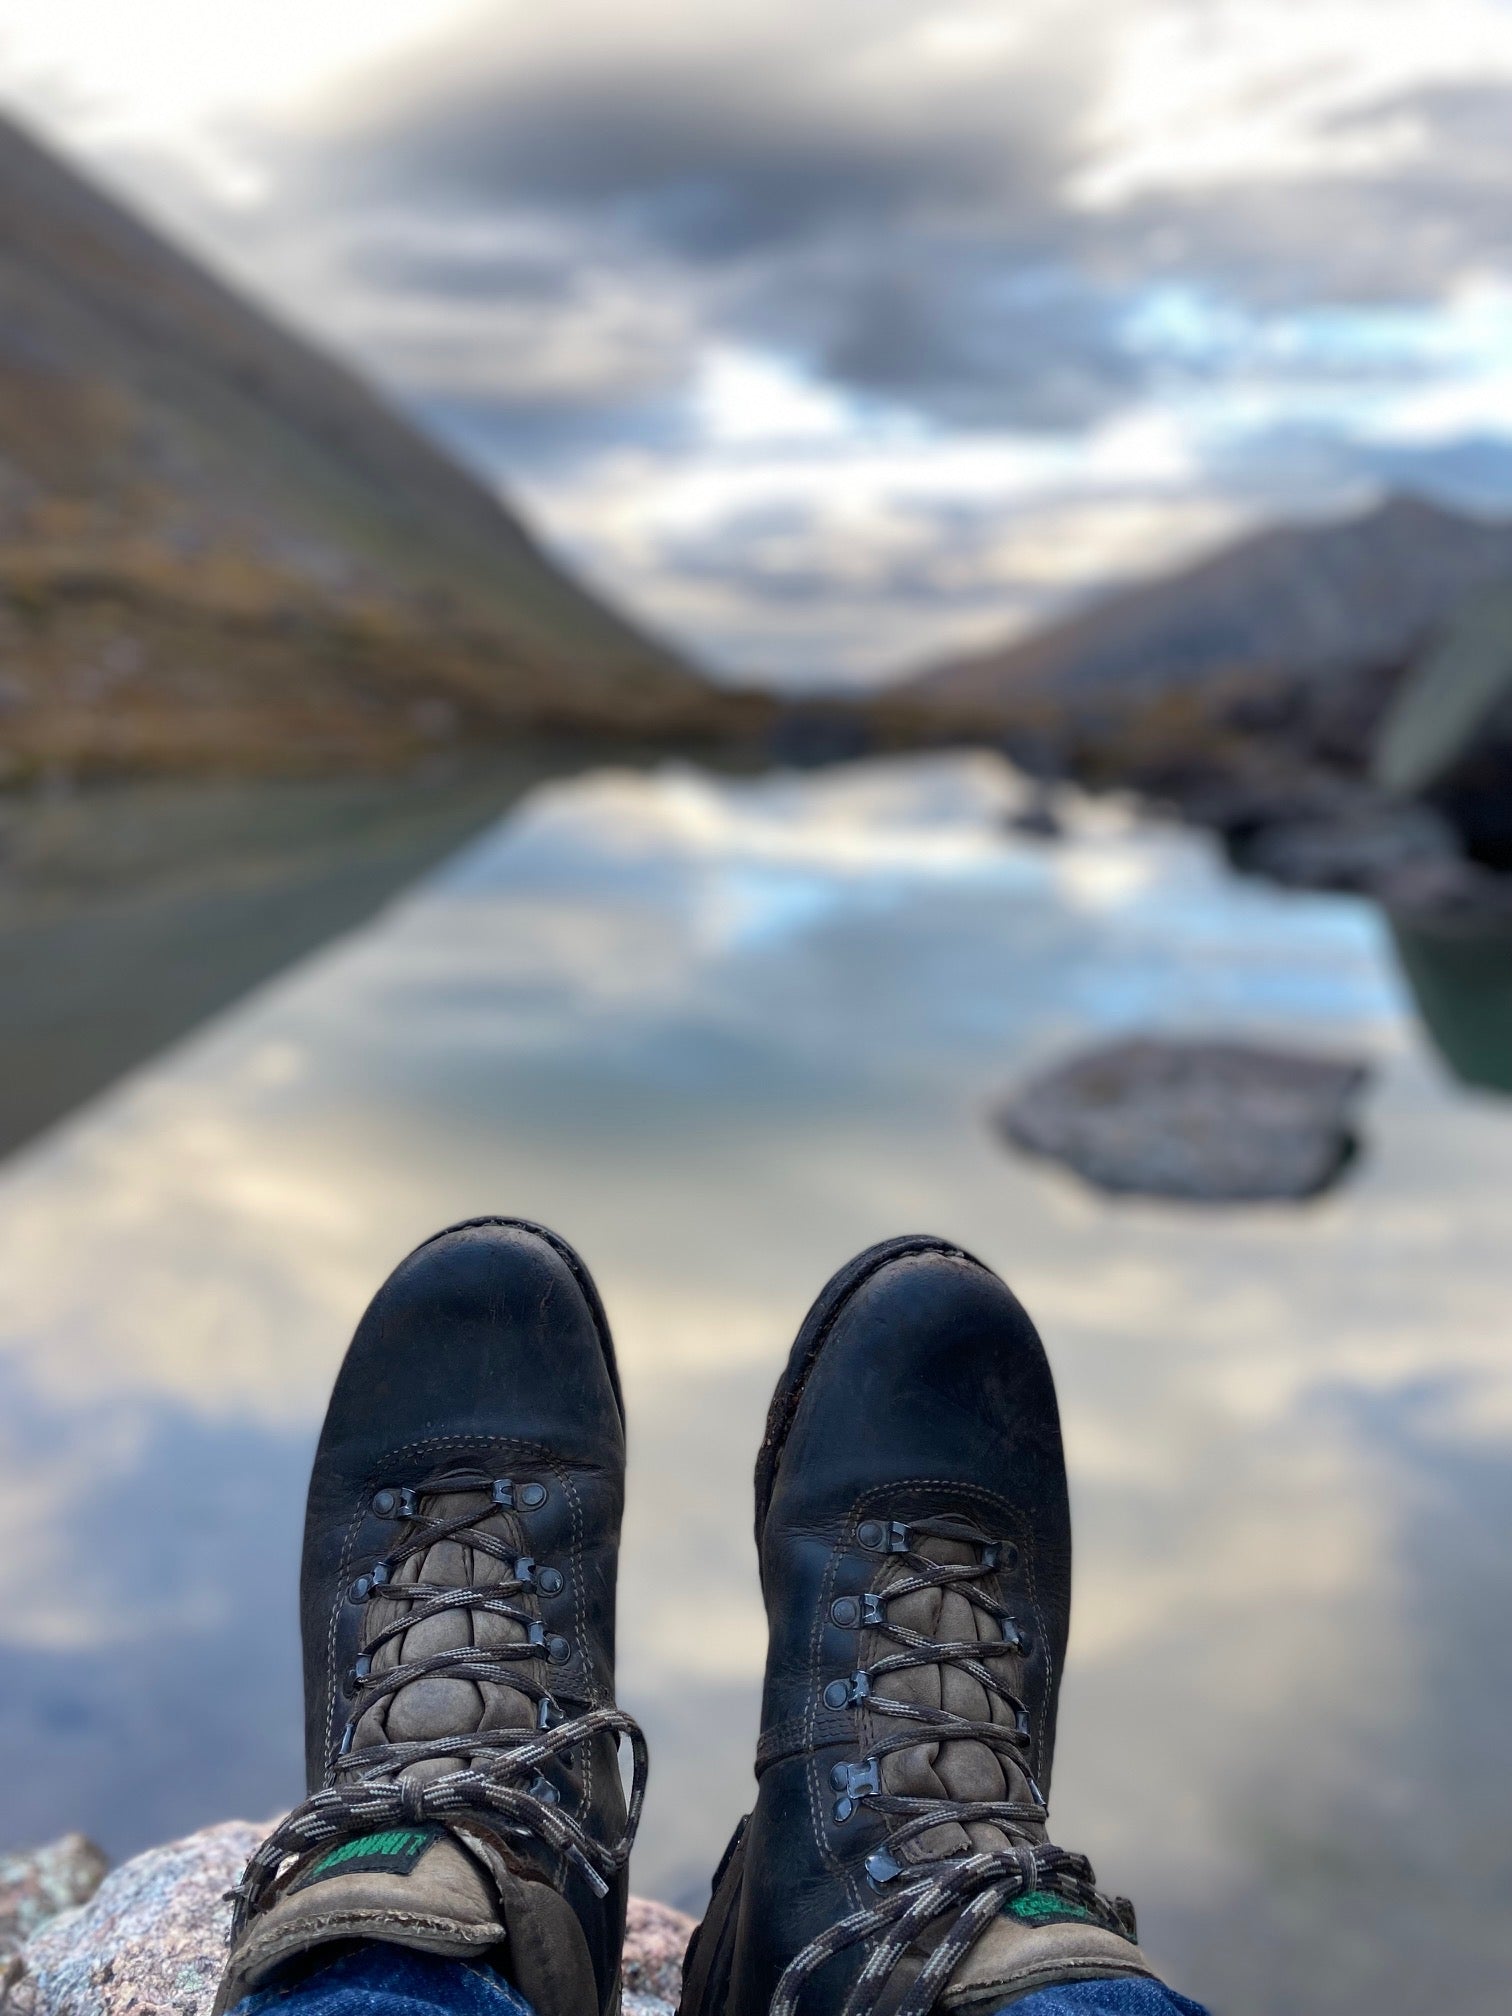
pixel 917 206
pixel 617 256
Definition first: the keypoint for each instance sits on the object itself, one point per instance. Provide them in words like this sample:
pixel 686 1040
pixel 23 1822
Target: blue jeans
pixel 390 1981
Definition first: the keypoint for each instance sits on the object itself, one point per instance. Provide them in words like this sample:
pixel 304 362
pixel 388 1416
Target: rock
pixel 1240 807
pixel 1364 850
pixel 1457 894
pixel 656 1938
pixel 1210 1122
pixel 1038 818
pixel 1328 833
pixel 1476 795
pixel 38 1884
pixel 153 1938
pixel 1441 713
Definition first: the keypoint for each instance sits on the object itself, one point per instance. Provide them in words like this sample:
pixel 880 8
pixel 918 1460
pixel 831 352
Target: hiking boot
pixel 457 1601
pixel 914 1539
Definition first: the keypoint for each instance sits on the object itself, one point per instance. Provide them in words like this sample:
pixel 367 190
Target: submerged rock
pixel 1211 1122
pixel 153 1937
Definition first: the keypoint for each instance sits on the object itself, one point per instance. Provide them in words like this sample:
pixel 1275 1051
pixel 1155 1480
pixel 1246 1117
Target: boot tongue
pixel 1037 1940
pixel 441 1704
pixel 950 1767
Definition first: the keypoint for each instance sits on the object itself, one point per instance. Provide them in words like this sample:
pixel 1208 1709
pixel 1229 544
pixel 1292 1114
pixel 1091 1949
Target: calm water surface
pixel 722 1034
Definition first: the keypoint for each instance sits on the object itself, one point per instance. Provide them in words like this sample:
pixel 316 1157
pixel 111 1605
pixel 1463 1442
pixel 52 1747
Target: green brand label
pixel 394 1852
pixel 1040 1907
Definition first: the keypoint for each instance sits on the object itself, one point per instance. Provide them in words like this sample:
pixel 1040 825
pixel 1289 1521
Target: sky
pixel 833 338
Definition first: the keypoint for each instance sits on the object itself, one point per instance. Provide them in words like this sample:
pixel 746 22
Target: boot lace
pixel 502 1791
pixel 963 1892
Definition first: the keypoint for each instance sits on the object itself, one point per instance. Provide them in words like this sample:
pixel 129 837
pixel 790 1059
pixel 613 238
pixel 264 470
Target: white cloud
pixel 832 337
pixel 1201 94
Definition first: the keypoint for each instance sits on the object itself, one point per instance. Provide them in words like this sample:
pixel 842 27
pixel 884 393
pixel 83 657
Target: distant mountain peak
pixel 1296 599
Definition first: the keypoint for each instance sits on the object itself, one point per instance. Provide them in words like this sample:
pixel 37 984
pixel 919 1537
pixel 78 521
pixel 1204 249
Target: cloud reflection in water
pixel 722 1034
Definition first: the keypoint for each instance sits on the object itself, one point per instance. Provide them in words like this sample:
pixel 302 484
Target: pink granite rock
pixel 153 1938
pixel 656 1938
pixel 41 1882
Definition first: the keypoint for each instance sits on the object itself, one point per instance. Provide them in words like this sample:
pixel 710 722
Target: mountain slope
pixel 218 545
pixel 1292 602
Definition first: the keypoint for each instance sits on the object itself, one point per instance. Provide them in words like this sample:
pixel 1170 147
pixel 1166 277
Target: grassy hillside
pixel 219 548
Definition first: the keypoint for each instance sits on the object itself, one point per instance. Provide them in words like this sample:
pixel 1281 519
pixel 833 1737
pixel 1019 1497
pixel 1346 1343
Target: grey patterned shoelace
pixel 505 1792
pixel 969 1890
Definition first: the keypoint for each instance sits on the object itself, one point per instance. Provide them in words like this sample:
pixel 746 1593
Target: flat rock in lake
pixel 1210 1122
pixel 153 1937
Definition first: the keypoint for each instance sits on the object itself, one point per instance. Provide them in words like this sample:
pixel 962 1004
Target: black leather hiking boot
pixel 457 1600
pixel 915 1546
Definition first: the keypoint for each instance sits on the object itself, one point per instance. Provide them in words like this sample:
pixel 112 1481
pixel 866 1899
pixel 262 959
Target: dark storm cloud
pixel 910 245
pixel 415 265
pixel 705 156
pixel 900 248
pixel 978 345
pixel 529 434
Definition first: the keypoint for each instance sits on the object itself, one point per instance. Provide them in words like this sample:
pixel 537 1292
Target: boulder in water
pixel 1207 1122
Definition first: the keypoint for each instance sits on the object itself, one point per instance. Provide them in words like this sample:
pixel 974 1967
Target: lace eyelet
pixel 362 1666
pixel 846 1612
pixel 852 1781
pixel 550 1581
pixel 846 1693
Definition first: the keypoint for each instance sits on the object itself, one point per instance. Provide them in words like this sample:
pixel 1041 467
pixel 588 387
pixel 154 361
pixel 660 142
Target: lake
pixel 721 1033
